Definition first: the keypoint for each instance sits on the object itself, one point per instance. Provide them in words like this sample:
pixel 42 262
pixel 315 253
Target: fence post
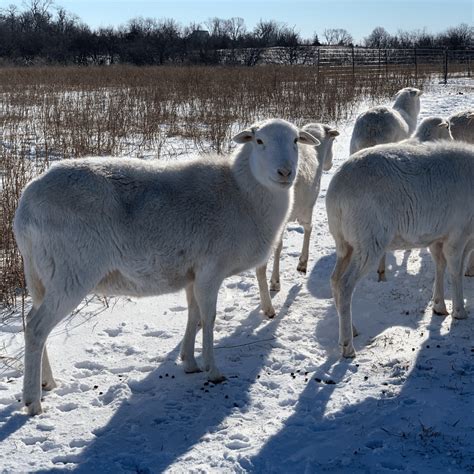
pixel 446 66
pixel 416 64
pixel 353 60
pixel 319 58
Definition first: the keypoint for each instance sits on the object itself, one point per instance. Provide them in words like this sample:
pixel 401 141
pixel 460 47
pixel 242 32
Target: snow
pixel 290 403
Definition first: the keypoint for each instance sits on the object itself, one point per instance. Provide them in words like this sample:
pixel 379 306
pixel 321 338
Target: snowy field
pixel 290 404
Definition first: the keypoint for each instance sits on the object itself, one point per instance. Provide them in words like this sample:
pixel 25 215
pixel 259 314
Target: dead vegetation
pixel 50 113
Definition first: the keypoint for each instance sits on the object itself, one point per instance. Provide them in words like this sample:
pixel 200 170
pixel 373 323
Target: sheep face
pixel 274 151
pixel 327 144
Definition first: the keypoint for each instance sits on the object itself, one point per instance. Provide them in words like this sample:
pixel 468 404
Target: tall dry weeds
pixel 50 113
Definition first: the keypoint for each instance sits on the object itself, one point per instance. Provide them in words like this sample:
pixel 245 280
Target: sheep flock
pixel 135 228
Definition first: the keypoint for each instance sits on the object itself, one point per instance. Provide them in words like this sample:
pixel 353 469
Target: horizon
pixel 358 18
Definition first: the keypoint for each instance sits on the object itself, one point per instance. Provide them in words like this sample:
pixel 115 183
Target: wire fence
pixel 352 59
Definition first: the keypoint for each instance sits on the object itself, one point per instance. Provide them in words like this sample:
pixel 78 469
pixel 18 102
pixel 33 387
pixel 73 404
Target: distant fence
pixel 353 58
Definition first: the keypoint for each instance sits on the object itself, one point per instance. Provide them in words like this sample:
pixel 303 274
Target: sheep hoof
pixel 302 267
pixel 460 314
pixel 191 368
pixel 269 312
pixel 355 332
pixel 382 277
pixel 49 385
pixel 440 310
pixel 34 408
pixel 274 286
pixel 348 351
pixel 216 378
pixel 469 273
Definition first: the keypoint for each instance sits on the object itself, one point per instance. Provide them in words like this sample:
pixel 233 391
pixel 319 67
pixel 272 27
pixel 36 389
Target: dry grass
pixel 51 113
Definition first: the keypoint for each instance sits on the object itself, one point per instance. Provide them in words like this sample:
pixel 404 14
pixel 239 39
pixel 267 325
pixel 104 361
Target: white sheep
pixel 429 129
pixel 462 128
pixel 130 227
pixel 387 124
pixel 312 162
pixel 401 196
pixel 462 125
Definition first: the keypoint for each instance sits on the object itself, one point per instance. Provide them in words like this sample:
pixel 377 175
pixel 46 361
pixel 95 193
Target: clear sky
pixel 307 16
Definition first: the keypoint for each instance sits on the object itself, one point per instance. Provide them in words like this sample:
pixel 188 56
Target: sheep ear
pixel 244 136
pixel 443 125
pixel 333 133
pixel 308 139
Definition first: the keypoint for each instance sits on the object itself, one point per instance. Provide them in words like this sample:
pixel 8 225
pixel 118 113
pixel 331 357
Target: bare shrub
pixel 49 113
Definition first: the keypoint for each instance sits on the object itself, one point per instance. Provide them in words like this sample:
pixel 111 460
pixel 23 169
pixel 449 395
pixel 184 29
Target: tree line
pixel 42 33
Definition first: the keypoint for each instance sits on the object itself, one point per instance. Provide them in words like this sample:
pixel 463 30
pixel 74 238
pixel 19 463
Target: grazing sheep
pixel 462 125
pixel 430 129
pixel 312 162
pixel 129 227
pixel 401 196
pixel 386 125
pixel 462 128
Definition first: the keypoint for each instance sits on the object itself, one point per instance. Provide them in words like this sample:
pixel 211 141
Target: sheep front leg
pixel 205 292
pixel 303 261
pixel 265 299
pixel 275 279
pixel 187 346
pixel 455 267
pixel 439 305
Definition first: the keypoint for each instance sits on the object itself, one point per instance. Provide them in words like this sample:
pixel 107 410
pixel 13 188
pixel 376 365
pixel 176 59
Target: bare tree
pixel 337 36
pixel 379 38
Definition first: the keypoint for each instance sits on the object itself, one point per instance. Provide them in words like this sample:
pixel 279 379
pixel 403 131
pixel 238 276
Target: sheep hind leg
pixel 345 283
pixel 343 259
pixel 304 256
pixel 439 305
pixel 470 266
pixel 381 269
pixel 47 379
pixel 187 346
pixel 40 323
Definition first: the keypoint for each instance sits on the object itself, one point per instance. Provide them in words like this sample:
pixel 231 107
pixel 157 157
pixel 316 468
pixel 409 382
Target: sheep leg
pixel 454 260
pixel 381 269
pixel 47 379
pixel 303 261
pixel 470 266
pixel 342 261
pixel 206 289
pixel 265 299
pixel 187 346
pixel 354 265
pixel 275 279
pixel 40 322
pixel 439 305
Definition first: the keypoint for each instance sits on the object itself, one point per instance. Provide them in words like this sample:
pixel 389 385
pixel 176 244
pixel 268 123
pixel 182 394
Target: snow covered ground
pixel 124 404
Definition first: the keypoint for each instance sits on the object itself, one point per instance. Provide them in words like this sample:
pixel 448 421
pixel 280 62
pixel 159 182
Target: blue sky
pixel 308 16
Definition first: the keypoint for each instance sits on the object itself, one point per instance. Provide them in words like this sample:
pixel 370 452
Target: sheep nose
pixel 284 172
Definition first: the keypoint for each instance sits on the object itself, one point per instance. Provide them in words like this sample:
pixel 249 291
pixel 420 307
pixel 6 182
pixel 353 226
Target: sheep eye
pixel 260 142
